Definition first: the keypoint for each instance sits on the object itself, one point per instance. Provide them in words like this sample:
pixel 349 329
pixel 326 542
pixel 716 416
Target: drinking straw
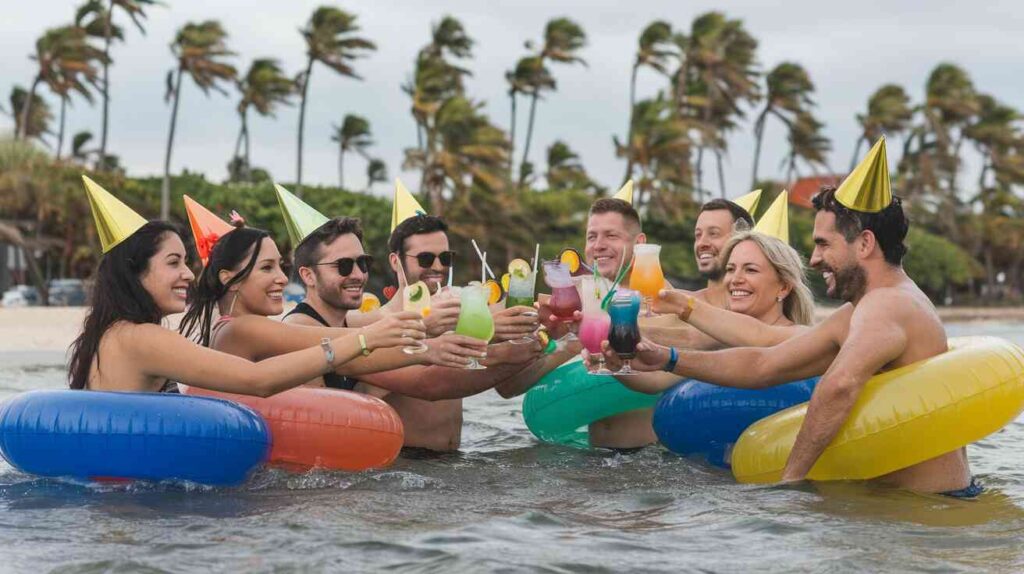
pixel 618 279
pixel 481 256
pixel 483 267
pixel 451 273
pixel 536 257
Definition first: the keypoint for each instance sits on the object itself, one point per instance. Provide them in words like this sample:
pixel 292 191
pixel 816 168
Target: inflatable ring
pixel 96 435
pixel 695 418
pixel 325 428
pixel 902 417
pixel 560 407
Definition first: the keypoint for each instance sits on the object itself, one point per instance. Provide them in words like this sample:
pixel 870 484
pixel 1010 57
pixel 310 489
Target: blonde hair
pixel 798 306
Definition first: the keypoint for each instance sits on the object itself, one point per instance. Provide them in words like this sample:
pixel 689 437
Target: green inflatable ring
pixel 561 406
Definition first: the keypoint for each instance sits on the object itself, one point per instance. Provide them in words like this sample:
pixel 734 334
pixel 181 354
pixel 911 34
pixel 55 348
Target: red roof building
pixel 804 189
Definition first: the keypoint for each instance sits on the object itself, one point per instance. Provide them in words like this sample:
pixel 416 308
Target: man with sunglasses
pixel 334 269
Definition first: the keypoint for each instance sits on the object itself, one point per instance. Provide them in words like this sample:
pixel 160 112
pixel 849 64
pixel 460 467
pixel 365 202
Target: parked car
pixel 66 292
pixel 20 296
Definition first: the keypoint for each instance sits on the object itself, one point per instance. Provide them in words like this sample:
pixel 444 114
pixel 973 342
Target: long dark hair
pixel 228 253
pixel 118 295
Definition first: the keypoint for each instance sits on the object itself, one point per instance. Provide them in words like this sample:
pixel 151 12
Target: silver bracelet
pixel 325 344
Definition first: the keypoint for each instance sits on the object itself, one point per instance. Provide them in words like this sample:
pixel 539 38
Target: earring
pixel 779 298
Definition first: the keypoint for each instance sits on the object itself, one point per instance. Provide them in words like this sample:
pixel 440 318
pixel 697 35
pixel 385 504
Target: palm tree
pixel 101 24
pixel 536 79
pixel 889 113
pixel 263 87
pixel 565 170
pixel 518 83
pixel 39 115
pixel 788 95
pixel 563 39
pixel 660 150
pixel 718 75
pixel 807 143
pixel 352 135
pixel 330 39
pixel 376 172
pixel 61 55
pixel 656 49
pixel 200 50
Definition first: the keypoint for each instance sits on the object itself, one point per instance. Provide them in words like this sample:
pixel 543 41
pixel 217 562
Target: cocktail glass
pixel 521 289
pixel 624 336
pixel 565 299
pixel 595 324
pixel 475 318
pixel 647 277
pixel 416 297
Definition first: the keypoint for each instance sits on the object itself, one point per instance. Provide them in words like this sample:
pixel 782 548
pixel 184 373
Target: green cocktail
pixel 475 318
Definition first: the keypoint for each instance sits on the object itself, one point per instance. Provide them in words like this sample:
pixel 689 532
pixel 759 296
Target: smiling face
pixel 435 242
pixel 836 259
pixel 754 285
pixel 339 291
pixel 609 242
pixel 709 238
pixel 262 291
pixel 167 276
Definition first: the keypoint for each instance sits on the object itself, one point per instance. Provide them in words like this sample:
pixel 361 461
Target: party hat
pixel 207 228
pixel 867 189
pixel 115 221
pixel 299 217
pixel 625 193
pixel 404 205
pixel 749 201
pixel 775 221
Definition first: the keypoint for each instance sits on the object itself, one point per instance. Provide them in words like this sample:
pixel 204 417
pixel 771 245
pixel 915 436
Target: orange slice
pixel 370 302
pixel 571 258
pixel 495 292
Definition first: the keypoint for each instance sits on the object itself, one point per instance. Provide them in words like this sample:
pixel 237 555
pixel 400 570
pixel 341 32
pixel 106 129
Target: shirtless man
pixel 887 323
pixel 716 221
pixel 334 268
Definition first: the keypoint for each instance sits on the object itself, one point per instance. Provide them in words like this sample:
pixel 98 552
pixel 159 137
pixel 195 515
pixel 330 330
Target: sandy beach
pixel 54 328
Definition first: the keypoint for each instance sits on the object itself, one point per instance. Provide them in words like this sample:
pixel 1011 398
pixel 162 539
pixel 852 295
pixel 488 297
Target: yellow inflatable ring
pixel 902 417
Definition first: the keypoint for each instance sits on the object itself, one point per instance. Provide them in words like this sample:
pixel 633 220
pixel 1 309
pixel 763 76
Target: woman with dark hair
pixel 243 282
pixel 142 278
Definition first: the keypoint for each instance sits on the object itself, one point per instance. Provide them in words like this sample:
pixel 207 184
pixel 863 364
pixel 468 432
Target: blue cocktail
pixel 624 335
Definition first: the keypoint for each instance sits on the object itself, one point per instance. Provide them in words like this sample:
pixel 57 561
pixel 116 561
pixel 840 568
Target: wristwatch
pixel 325 344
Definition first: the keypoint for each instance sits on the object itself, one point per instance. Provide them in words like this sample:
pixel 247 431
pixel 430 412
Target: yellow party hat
pixel 625 193
pixel 404 205
pixel 749 201
pixel 115 221
pixel 775 221
pixel 299 217
pixel 867 188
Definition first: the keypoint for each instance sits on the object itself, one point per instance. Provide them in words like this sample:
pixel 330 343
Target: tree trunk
pixel 248 148
pixel 529 136
pixel 106 85
pixel 629 128
pixel 238 141
pixel 699 170
pixel 758 138
pixel 165 187
pixel 26 109
pixel 856 153
pixel 341 165
pixel 302 125
pixel 721 172
pixel 512 138
pixel 60 131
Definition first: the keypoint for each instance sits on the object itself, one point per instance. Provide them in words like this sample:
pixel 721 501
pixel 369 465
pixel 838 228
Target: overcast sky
pixel 850 49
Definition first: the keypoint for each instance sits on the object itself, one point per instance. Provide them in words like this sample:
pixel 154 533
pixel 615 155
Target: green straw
pixel 615 284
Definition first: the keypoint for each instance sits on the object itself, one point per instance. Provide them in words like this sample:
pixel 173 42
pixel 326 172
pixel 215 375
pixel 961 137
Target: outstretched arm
pixel 731 329
pixel 876 338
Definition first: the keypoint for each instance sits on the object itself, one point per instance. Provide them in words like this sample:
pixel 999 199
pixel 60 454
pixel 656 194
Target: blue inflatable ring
pixel 695 418
pixel 95 435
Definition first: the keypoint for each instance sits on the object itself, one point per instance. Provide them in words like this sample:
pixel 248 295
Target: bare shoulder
pixel 300 319
pixel 131 335
pixel 902 302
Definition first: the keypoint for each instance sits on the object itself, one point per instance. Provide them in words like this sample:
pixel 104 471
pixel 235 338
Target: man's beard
pixel 715 274
pixel 334 298
pixel 851 282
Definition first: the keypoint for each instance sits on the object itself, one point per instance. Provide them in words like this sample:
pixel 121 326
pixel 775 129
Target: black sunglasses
pixel 346 264
pixel 426 259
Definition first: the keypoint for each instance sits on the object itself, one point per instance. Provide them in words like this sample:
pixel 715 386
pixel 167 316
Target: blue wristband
pixel 673 358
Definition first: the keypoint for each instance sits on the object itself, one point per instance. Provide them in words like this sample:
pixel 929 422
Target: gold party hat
pixel 115 221
pixel 749 201
pixel 867 188
pixel 625 193
pixel 299 217
pixel 775 221
pixel 404 205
